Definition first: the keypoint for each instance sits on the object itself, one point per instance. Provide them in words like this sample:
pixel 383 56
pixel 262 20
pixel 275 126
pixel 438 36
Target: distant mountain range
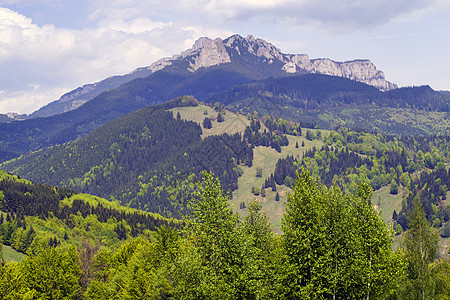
pixel 254 58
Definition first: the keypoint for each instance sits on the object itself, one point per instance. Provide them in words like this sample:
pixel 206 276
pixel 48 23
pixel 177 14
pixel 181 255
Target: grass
pixel 266 158
pixel 387 203
pixel 233 122
pixel 9 254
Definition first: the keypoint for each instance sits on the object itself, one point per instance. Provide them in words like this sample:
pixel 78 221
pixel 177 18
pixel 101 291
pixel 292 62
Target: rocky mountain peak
pixel 207 52
pixel 257 47
pixel 359 70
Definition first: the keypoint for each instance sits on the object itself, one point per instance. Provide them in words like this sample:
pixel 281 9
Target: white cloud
pixel 25 101
pixel 40 58
pixel 328 14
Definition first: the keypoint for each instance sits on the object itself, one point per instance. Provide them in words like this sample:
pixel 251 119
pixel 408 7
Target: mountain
pixel 5 118
pixel 255 58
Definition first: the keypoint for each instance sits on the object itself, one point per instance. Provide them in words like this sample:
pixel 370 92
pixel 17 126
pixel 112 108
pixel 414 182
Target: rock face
pixel 207 52
pixel 359 70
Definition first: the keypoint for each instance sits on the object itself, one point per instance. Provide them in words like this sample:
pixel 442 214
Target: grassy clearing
pixel 387 203
pixel 9 254
pixel 266 158
pixel 233 122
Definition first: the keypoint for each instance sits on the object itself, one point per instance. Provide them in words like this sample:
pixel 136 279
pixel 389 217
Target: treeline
pixel 273 139
pixel 333 246
pixel 430 188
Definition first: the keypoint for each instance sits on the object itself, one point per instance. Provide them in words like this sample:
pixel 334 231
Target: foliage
pixel 394 187
pixel 207 123
pixel 335 246
pixel 39 214
pixel 272 139
pixel 420 244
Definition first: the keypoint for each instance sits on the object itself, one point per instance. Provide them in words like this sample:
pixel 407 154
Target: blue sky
pixel 49 47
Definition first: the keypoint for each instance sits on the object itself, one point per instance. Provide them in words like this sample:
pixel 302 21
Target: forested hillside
pixel 148 159
pixel 349 158
pixel 321 100
pixel 34 215
pixel 330 102
pixel 346 251
pixel 17 138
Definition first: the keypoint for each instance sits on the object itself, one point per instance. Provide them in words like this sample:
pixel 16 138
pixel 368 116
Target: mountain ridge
pixel 207 52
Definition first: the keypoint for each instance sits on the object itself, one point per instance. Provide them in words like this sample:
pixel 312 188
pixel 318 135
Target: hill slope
pixel 331 102
pixel 147 159
pixel 35 214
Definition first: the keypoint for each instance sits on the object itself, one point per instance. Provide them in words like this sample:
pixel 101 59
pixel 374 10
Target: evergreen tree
pixel 394 187
pixel 207 123
pixel 220 117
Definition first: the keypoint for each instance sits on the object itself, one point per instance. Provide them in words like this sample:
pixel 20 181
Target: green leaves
pixel 420 244
pixel 51 273
pixel 335 246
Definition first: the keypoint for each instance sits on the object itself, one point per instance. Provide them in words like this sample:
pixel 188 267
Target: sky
pixel 50 47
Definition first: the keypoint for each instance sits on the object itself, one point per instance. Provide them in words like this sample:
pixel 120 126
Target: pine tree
pixel 207 124
pixel 394 187
pixel 220 117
